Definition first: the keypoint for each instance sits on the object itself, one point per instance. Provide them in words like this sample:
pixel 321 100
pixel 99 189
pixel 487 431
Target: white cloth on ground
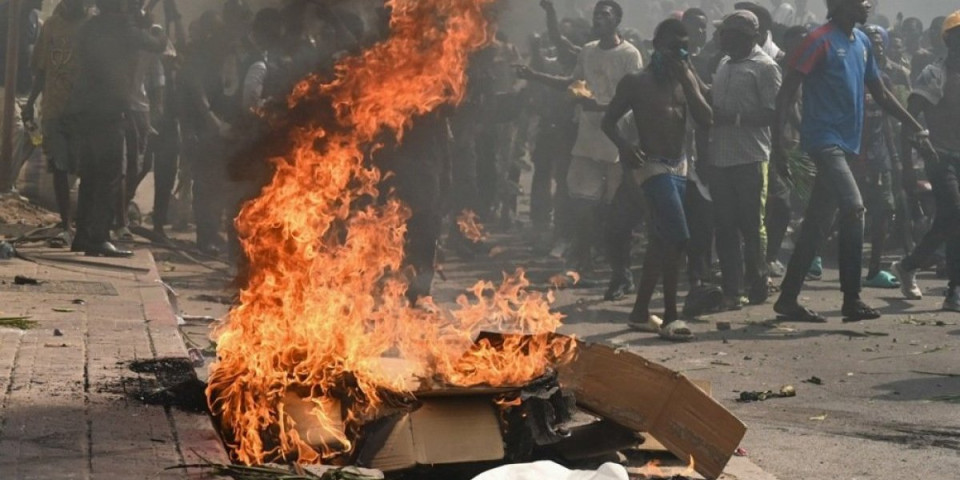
pixel 552 471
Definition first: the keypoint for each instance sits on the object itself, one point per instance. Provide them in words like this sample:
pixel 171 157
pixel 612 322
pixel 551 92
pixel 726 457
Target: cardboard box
pixel 646 397
pixel 444 430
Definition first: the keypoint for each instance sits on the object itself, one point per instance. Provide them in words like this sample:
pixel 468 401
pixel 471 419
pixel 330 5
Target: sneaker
pixel 816 269
pixel 952 302
pixel 908 281
pixel 776 269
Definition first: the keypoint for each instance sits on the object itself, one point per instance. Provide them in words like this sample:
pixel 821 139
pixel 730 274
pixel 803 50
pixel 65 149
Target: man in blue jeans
pixel 660 98
pixel 833 65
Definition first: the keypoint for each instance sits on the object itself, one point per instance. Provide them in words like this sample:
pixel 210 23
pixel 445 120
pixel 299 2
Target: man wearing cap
pixel 833 65
pixel 743 98
pixel 936 94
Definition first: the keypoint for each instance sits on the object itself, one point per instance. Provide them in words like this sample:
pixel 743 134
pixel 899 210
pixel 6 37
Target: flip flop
pixel 884 279
pixel 676 331
pixel 797 313
pixel 652 325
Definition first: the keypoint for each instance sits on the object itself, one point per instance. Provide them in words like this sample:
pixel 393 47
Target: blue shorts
pixel 664 195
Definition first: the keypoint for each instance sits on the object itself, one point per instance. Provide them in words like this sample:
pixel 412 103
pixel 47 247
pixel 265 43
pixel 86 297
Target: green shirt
pixel 55 55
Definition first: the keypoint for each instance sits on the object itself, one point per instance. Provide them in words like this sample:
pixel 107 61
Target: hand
pixel 546 4
pixel 780 160
pixel 632 157
pixel 27 113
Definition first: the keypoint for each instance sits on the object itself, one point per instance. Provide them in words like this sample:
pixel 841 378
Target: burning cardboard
pixel 620 394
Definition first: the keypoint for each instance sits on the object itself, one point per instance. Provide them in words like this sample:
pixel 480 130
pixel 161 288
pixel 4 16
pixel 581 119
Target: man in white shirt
pixel 594 171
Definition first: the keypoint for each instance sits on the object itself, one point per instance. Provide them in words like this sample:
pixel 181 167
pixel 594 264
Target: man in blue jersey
pixel 833 65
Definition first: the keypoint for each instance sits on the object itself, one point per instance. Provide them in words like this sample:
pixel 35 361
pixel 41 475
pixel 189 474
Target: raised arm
pixel 553 30
pixel 697 103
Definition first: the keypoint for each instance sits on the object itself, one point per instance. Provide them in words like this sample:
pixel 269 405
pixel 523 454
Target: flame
pixel 559 281
pixel 652 469
pixel 691 468
pixel 323 300
pixel 470 227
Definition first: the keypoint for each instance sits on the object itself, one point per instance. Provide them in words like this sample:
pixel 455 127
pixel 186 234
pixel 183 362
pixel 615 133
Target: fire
pixel 323 301
pixel 691 468
pixel 652 469
pixel 470 227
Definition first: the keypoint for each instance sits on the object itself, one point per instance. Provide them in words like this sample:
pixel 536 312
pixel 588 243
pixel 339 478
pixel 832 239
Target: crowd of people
pixel 712 134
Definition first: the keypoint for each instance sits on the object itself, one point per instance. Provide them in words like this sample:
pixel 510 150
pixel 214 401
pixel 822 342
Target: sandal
pixel 652 325
pixel 676 331
pixel 857 311
pixel 797 313
pixel 884 279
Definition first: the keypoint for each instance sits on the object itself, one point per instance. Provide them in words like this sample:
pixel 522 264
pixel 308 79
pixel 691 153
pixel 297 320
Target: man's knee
pixel 852 213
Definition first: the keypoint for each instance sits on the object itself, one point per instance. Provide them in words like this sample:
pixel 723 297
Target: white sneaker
pixel 908 281
pixel 952 302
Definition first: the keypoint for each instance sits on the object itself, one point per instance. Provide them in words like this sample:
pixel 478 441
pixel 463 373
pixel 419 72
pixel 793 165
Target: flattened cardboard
pixel 443 430
pixel 647 397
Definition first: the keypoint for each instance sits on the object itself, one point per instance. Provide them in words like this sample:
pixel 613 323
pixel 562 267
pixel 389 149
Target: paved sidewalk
pixel 68 406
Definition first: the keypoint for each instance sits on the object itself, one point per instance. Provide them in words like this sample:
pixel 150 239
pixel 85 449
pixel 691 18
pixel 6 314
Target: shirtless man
pixel 936 95
pixel 660 98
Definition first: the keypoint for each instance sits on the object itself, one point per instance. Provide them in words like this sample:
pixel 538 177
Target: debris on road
pixel 57 332
pixel 819 418
pixel 22 322
pixel 7 251
pixel 814 380
pixel 25 280
pixel 724 326
pixel 785 392
pixel 63 310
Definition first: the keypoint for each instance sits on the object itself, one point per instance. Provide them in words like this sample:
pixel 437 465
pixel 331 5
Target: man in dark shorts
pixel 936 94
pixel 56 65
pixel 833 65
pixel 659 98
